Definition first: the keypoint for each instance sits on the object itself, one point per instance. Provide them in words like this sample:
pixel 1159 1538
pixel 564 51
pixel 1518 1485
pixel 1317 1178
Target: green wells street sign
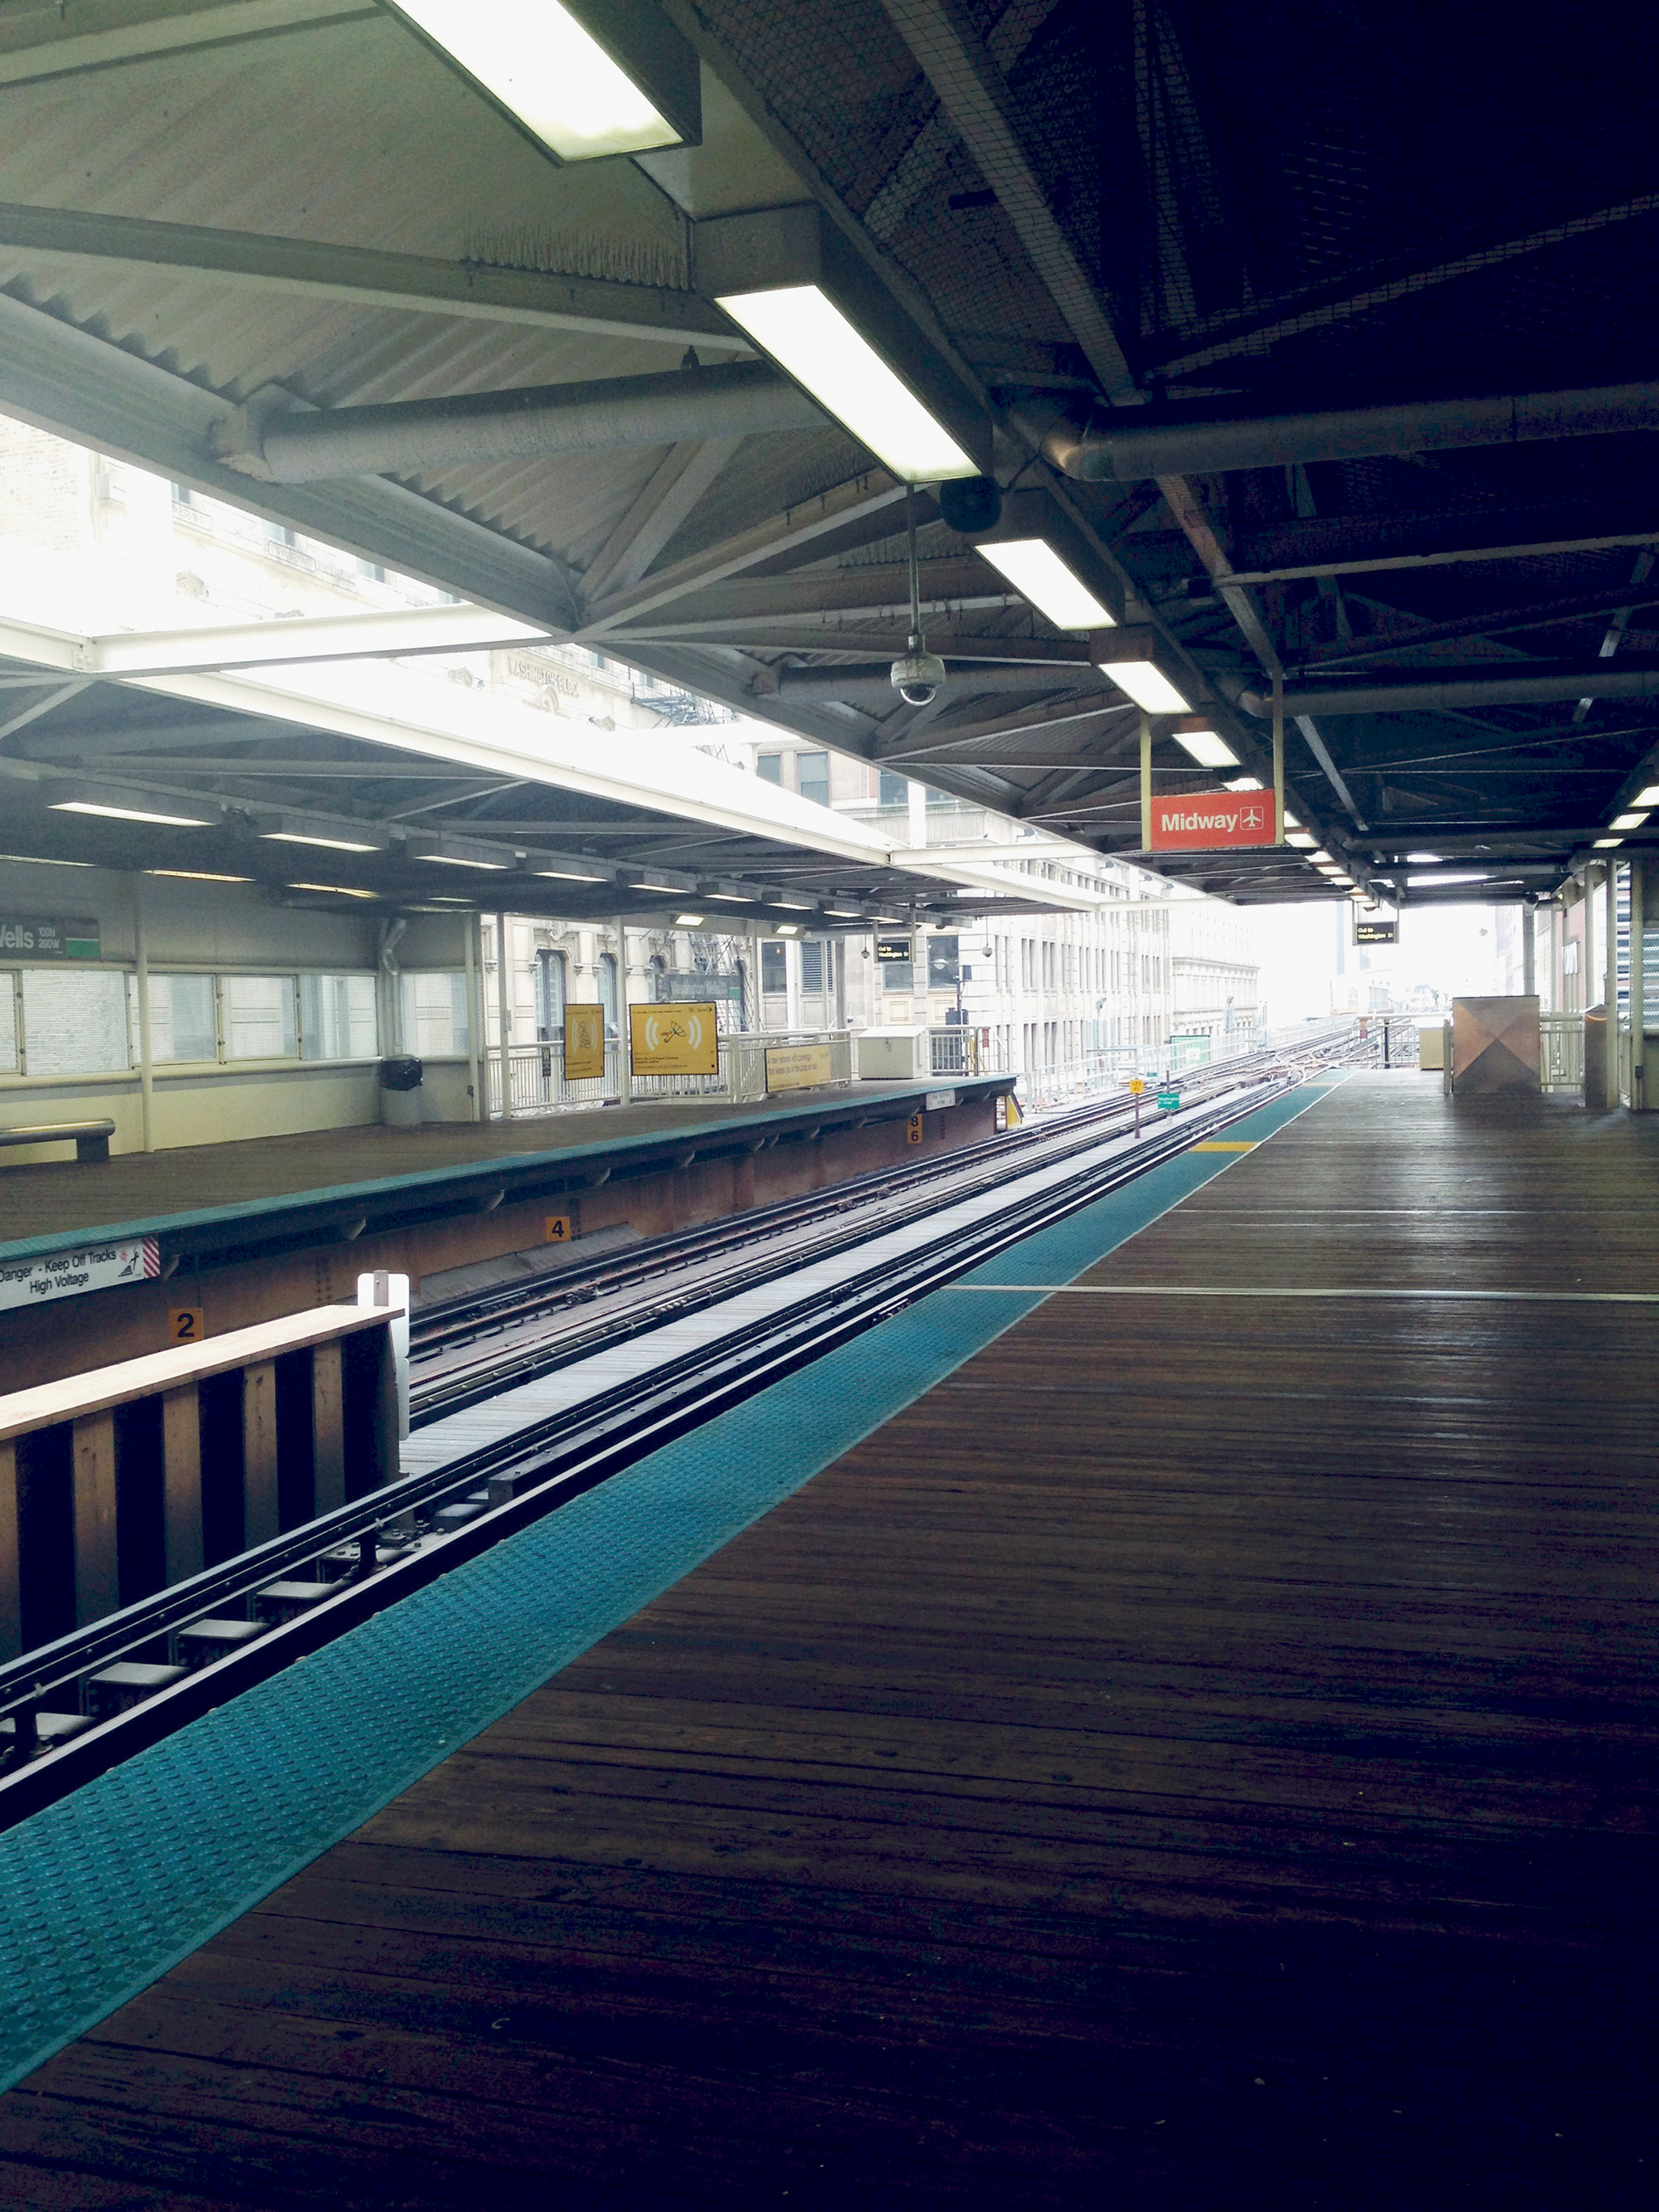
pixel 35 937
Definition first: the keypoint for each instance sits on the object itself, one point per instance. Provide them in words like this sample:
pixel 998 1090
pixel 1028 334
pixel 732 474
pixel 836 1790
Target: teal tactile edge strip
pixel 101 1895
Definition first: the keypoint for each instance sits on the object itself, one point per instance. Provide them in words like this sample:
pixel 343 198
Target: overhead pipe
pixel 275 441
pixel 1466 688
pixel 1130 446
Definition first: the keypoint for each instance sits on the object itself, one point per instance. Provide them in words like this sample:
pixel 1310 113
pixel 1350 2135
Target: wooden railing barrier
pixel 120 1481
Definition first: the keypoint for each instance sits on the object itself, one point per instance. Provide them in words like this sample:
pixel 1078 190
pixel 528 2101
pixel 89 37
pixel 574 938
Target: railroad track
pixel 367 1555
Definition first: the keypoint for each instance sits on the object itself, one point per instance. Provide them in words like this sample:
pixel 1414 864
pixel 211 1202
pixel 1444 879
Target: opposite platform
pixel 1199 1751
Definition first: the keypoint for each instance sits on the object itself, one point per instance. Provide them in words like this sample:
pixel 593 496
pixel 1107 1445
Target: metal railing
pixel 538 1083
pixel 953 1052
pixel 1561 1052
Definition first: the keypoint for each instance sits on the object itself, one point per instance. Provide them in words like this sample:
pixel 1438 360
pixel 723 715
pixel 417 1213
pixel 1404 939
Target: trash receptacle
pixel 403 1102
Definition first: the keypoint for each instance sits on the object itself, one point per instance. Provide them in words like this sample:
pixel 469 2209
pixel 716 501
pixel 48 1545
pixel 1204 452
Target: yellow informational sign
pixel 584 1043
pixel 912 1130
pixel 1136 1086
pixel 674 1040
pixel 796 1066
pixel 184 1325
pixel 559 1229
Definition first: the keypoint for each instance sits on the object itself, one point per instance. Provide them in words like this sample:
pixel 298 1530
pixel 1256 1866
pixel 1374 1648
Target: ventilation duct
pixel 275 441
pixel 1465 688
pixel 1128 448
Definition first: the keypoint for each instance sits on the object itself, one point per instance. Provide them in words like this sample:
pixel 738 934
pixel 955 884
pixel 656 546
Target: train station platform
pixel 246 1232
pixel 1169 1719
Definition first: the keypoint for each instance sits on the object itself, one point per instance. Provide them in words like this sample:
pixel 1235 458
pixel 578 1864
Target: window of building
pixel 774 967
pixel 943 962
pixel 373 570
pixel 183 1018
pixel 1027 963
pixel 75 1021
pixel 769 767
pixel 595 659
pixel 892 790
pixel 435 1013
pixel 277 533
pixel 812 965
pixel 258 1016
pixel 895 976
pixel 812 777
pixel 338 1017
pixel 1048 965
pixel 550 972
pixel 608 991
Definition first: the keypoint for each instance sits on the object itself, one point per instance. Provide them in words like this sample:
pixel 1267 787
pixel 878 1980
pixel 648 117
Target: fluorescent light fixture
pixel 325 844
pixel 645 884
pixel 1037 573
pixel 1301 838
pixel 581 81
pixel 571 876
pixel 38 861
pixel 336 891
pixel 734 898
pixel 1132 659
pixel 787 929
pixel 688 921
pixel 794 285
pixel 110 813
pixel 796 906
pixel 1207 747
pixel 1465 876
pixel 810 339
pixel 1648 798
pixel 1290 822
pixel 197 876
pixel 1424 859
pixel 1244 783
pixel 1627 821
pixel 1320 857
pixel 1602 845
pixel 456 860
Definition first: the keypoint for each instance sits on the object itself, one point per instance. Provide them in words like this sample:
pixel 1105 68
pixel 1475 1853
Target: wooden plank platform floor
pixel 1199 1755
pixel 53 1196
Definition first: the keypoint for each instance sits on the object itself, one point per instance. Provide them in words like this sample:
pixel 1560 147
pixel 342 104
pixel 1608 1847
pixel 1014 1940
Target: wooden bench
pixel 90 1138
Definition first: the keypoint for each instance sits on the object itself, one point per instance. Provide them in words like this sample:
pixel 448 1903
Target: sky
pixel 1451 949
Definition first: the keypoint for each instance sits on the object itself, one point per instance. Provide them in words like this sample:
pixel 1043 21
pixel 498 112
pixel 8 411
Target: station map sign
pixel 673 1040
pixel 38 937
pixel 1210 821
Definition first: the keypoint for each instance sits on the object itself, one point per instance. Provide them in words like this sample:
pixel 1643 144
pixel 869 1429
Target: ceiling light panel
pixel 1135 661
pixel 795 286
pixel 1037 573
pixel 582 80
pixel 1627 821
pixel 325 844
pixel 109 811
pixel 1208 749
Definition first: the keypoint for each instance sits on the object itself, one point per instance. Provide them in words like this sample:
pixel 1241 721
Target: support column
pixel 504 1014
pixel 1528 951
pixel 11 1587
pixel 625 1058
pixel 97 1573
pixel 261 1520
pixel 146 1061
pixel 1638 983
pixel 1610 950
pixel 181 1479
pixel 327 1427
pixel 472 931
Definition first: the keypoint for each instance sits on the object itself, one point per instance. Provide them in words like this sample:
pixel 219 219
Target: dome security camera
pixel 918 676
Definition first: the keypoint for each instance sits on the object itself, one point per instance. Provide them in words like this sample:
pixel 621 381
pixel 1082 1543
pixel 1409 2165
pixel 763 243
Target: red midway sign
pixel 1200 821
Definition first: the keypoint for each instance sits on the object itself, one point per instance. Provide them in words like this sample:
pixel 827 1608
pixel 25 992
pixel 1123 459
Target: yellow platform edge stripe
pixel 1226 1145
